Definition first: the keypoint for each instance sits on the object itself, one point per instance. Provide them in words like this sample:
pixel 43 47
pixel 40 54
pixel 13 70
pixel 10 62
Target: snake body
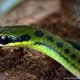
pixel 42 41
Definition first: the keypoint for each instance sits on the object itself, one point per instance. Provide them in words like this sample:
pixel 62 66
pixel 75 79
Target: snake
pixel 42 41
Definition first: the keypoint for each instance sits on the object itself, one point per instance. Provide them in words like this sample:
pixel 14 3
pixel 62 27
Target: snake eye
pixel 4 39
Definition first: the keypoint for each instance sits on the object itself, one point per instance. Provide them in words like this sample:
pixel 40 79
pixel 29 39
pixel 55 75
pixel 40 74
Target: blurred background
pixel 61 17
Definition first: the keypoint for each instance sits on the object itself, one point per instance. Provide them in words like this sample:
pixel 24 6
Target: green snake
pixel 42 41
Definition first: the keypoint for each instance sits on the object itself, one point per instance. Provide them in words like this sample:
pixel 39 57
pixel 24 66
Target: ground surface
pixel 27 64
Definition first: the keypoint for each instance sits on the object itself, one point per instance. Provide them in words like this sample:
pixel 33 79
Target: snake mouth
pixel 4 39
